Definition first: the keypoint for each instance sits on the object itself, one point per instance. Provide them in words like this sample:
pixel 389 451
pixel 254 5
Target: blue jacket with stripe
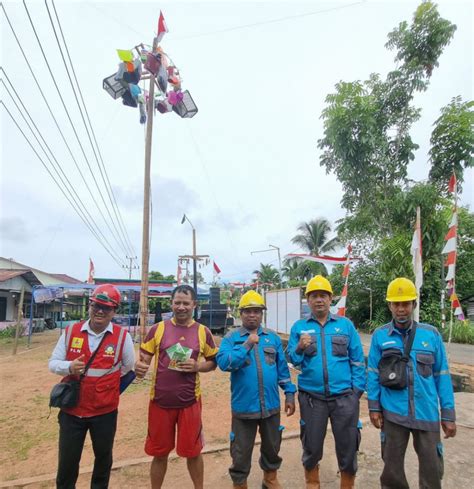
pixel 334 362
pixel 256 372
pixel 429 382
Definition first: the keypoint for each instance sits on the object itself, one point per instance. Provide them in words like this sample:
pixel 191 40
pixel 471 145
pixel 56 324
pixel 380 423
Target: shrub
pixel 463 332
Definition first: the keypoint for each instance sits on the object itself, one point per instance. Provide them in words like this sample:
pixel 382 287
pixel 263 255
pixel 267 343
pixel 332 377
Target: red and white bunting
pixel 324 259
pixel 341 304
pixel 456 305
pixel 450 249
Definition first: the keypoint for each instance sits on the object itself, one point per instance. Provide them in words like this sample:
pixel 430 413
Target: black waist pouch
pixel 393 371
pixel 393 366
pixel 65 394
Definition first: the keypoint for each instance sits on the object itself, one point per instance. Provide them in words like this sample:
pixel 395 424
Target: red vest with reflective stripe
pixel 99 393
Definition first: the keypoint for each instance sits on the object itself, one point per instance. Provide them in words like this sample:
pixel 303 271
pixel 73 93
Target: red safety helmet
pixel 107 295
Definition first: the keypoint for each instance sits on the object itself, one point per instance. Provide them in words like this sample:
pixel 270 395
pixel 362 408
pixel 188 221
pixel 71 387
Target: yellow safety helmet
pixel 401 290
pixel 318 282
pixel 251 299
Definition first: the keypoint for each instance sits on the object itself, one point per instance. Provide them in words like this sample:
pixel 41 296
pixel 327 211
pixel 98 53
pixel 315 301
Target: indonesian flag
pixel 326 260
pixel 450 247
pixel 452 183
pixel 162 27
pixel 178 274
pixel 341 304
pixel 217 270
pixel 90 279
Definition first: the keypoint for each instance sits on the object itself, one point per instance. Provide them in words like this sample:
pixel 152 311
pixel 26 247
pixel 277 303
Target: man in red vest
pixel 96 411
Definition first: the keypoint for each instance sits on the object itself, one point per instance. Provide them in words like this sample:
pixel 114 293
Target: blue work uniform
pixel 330 384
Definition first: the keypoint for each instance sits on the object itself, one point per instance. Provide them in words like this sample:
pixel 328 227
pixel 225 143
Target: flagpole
pixel 451 318
pixel 450 329
pixel 416 313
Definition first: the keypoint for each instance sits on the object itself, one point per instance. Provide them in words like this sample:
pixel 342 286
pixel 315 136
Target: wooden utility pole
pixel 20 317
pixel 130 267
pixel 146 206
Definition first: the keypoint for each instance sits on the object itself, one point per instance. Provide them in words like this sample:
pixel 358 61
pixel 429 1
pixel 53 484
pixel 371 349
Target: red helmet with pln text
pixel 107 295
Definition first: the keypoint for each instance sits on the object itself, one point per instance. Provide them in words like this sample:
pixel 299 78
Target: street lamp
pixel 185 218
pixel 272 248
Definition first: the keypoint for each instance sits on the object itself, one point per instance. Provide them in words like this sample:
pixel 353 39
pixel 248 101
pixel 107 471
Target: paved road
pixel 458 353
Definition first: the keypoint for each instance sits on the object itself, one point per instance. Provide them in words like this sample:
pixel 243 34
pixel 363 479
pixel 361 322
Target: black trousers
pixel 428 447
pixel 243 436
pixel 343 412
pixel 72 433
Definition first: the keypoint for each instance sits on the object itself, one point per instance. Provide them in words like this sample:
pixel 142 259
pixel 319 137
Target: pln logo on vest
pixel 76 344
pixel 109 350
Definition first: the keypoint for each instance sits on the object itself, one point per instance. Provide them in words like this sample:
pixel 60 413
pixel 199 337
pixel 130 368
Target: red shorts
pixel 162 423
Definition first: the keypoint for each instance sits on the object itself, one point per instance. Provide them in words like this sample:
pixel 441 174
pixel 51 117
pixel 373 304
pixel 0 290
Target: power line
pixel 56 182
pixel 267 22
pixel 52 114
pixel 108 186
pixel 120 240
pixel 63 177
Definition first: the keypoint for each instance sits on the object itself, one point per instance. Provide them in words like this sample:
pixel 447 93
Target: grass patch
pixel 463 332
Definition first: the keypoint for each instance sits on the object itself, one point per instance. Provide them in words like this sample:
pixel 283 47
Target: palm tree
pixel 267 274
pixel 293 270
pixel 313 238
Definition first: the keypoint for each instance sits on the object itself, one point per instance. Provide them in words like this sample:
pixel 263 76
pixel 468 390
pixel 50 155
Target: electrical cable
pixel 51 113
pixel 55 181
pixel 64 177
pixel 120 241
pixel 108 185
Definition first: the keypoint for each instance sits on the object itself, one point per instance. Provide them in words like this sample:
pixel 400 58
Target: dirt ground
pixel 28 437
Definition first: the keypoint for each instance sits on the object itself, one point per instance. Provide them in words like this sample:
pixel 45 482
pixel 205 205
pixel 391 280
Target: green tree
pixel 155 275
pixel 314 238
pixel 452 142
pixel 267 275
pixel 366 140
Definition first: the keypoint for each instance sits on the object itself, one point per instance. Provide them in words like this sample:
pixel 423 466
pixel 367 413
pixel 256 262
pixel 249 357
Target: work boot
pixel 270 480
pixel 347 480
pixel 312 478
pixel 240 486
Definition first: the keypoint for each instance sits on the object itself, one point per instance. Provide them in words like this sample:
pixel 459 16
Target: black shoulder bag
pixel 66 394
pixel 393 367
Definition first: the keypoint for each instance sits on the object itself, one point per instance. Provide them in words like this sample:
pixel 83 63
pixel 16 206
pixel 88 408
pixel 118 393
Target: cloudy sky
pixel 245 170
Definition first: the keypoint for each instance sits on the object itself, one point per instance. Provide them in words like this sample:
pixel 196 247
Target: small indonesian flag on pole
pixel 341 305
pixel 417 261
pixel 162 27
pixel 90 279
pixel 452 183
pixel 217 270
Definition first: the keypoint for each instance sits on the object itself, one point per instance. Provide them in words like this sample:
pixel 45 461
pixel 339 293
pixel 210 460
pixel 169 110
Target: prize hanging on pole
pixel 141 63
